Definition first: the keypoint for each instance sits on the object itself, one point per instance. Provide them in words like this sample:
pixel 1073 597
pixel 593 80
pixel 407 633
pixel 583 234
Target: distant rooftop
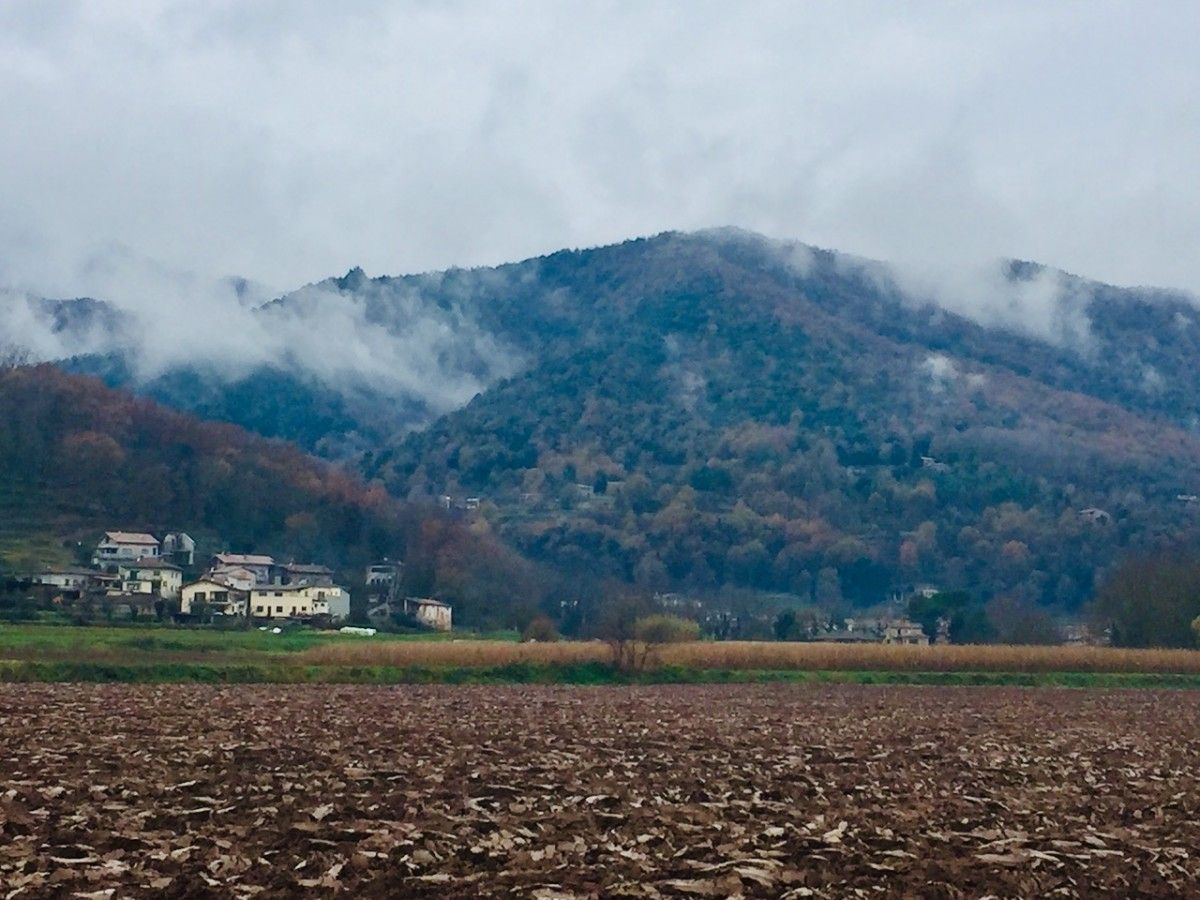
pixel 130 537
pixel 244 559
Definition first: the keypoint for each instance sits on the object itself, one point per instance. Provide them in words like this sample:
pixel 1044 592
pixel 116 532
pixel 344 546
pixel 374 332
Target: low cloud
pixel 435 354
pixel 287 141
pixel 1044 303
pixel 940 369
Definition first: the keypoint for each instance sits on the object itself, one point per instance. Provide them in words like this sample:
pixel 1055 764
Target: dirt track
pixel 551 792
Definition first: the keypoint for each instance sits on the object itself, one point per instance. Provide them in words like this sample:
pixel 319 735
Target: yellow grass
pixel 763 655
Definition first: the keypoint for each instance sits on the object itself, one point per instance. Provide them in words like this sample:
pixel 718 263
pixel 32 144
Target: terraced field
pixel 690 791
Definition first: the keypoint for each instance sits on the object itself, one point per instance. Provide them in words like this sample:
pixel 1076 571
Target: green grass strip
pixel 15 671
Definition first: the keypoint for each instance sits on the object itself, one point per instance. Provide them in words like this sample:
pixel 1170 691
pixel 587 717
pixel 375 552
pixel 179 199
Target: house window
pixel 258 609
pixel 279 609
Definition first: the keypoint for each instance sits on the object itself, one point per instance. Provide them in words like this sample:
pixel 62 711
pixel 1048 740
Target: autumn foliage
pixel 79 458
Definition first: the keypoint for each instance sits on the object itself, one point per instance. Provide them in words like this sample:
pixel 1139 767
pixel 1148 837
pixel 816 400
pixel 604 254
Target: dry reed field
pixel 555 792
pixel 751 655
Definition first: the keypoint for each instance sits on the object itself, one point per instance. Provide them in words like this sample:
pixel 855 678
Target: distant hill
pixel 719 410
pixel 78 458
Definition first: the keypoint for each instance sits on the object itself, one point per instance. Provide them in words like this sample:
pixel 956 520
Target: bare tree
pixel 13 356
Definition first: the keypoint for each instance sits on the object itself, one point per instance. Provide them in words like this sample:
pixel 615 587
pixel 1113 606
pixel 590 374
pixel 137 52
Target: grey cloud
pixel 285 142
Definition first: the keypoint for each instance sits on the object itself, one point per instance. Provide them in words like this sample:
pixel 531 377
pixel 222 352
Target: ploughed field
pixel 692 791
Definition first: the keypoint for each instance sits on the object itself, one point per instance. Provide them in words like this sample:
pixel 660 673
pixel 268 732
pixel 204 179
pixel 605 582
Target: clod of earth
pixel 554 792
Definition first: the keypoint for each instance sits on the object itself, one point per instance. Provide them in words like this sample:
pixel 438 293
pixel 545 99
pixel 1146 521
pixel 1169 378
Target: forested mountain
pixel 78 458
pixel 715 410
pixel 768 416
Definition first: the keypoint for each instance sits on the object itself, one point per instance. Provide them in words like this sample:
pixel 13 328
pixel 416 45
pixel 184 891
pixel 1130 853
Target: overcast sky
pixel 286 141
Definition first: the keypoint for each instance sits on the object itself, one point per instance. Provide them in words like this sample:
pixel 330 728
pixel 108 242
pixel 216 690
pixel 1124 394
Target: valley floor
pixel 772 791
pixel 163 654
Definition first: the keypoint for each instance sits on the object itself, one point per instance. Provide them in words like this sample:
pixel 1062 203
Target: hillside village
pixel 135 574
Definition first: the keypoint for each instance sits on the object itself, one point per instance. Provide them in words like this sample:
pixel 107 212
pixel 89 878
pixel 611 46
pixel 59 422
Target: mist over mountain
pixel 392 353
pixel 337 366
pixel 719 410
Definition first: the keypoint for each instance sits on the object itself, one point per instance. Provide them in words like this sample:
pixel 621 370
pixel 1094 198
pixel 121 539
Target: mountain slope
pixel 768 422
pixel 777 417
pixel 77 458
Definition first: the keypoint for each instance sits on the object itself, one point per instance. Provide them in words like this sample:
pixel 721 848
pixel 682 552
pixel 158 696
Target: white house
pixel 219 597
pixel 117 547
pixel 151 576
pixel 299 601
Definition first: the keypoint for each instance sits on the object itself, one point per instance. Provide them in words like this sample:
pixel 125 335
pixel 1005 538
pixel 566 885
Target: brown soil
pixel 773 791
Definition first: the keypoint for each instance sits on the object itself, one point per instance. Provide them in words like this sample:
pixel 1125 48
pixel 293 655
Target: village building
pixel 677 601
pixel 151 575
pixel 259 566
pixel 179 548
pixel 299 601
pixel 124 546
pixel 235 576
pixel 64 579
pixel 125 605
pixel 844 636
pixel 213 595
pixel 1096 516
pixel 382 576
pixel 427 611
pixel 929 462
pixel 863 629
pixel 1079 634
pixel 903 631
pixel 304 573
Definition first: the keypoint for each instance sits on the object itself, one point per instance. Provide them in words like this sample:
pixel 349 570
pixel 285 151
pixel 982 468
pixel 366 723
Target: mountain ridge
pixel 784 418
